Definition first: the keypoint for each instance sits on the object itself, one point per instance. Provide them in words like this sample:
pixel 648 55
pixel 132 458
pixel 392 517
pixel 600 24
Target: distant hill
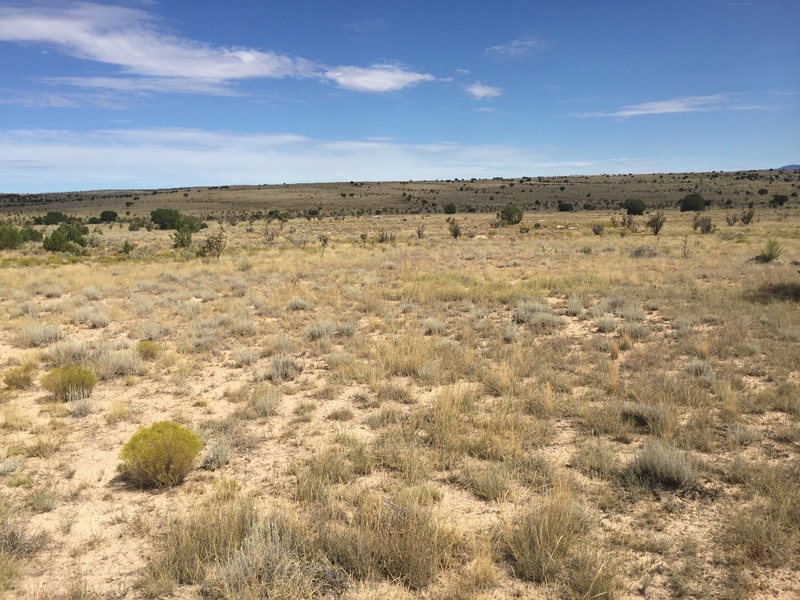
pixel 790 168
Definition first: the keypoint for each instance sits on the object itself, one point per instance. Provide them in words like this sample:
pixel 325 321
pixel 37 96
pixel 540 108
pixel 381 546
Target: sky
pixel 175 93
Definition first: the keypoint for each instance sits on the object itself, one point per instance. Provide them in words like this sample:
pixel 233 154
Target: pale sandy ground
pixel 100 528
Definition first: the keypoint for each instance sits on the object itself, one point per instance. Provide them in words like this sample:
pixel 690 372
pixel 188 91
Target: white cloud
pixel 483 92
pixel 520 47
pixel 152 59
pixel 49 160
pixel 42 160
pixel 687 104
pixel 378 78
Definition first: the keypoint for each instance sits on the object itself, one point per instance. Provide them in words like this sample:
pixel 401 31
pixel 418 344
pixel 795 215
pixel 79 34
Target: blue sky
pixel 142 94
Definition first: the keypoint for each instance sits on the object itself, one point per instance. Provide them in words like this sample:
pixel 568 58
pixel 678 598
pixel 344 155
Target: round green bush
pixel 160 455
pixel 634 206
pixel 72 382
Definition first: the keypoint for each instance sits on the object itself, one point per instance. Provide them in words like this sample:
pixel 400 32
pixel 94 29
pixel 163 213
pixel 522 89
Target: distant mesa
pixel 790 168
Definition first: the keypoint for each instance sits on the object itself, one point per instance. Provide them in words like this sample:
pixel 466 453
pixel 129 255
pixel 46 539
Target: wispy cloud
pixel 686 104
pixel 377 78
pixel 46 160
pixel 480 91
pixel 521 47
pixel 41 160
pixel 149 58
pixel 367 25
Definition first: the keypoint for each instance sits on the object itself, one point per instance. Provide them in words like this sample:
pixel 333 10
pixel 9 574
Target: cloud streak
pixel 151 59
pixel 521 47
pixel 44 160
pixel 480 91
pixel 378 78
pixel 687 104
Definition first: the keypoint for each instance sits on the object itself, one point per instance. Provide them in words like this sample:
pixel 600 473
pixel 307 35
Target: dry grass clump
pixel 36 335
pixel 767 530
pixel 658 419
pixel 91 316
pixel 68 352
pixel 396 539
pixel 262 402
pixel 540 540
pixel 16 545
pixel 283 367
pixel 659 465
pixel 297 304
pixel 486 480
pixel 19 378
pixel 324 469
pixel 108 363
pixel 596 458
pixel 536 315
pixel 397 449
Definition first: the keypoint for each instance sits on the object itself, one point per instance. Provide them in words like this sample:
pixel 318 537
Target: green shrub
pixel 160 455
pixel 108 216
pixel 214 245
pixel 10 237
pixel 565 207
pixel 771 251
pixel 148 350
pixel 67 238
pixel 692 202
pixel 72 382
pixel 165 218
pixel 634 206
pixel 450 208
pixel 510 214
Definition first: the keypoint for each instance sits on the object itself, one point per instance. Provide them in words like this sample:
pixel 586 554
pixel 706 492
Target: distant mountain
pixel 790 168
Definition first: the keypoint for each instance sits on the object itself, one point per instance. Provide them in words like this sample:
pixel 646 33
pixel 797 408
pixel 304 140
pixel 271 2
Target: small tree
pixel 10 237
pixel 166 218
pixel 53 217
pixel 634 206
pixel 449 208
pixel 67 238
pixel 182 238
pixel 704 224
pixel 629 223
pixel 656 222
pixel 214 245
pixel 692 202
pixel 454 228
pixel 510 214
pixel 108 216
pixel 779 200
pixel 565 207
pixel 324 240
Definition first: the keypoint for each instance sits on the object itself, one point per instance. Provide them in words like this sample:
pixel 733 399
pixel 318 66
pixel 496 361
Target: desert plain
pixel 400 396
